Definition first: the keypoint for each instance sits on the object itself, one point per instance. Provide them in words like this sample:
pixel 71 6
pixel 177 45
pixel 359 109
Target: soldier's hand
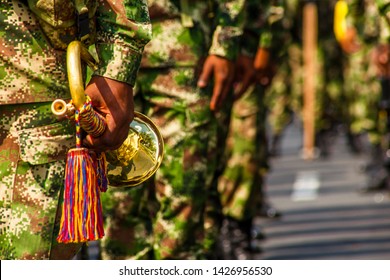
pixel 113 100
pixel 381 59
pixel 349 42
pixel 262 59
pixel 245 75
pixel 222 71
pixel 265 70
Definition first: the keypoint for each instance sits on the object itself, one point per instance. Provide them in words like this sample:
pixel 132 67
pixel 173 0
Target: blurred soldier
pixel 329 82
pixel 381 59
pixel 241 185
pixel 286 94
pixel 186 73
pixel 283 98
pixel 363 32
pixel 33 143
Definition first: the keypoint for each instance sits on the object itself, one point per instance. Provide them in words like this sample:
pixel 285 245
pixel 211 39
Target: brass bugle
pixel 140 155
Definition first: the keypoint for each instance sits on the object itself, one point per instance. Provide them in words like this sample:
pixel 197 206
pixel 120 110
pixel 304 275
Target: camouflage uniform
pixel 185 32
pixel 372 22
pixel 241 184
pixel 362 86
pixel 329 79
pixel 283 97
pixel 33 144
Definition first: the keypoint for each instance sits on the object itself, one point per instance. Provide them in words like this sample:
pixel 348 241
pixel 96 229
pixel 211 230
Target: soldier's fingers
pixel 111 139
pixel 205 75
pixel 215 99
pixel 99 144
pixel 222 86
pixel 91 143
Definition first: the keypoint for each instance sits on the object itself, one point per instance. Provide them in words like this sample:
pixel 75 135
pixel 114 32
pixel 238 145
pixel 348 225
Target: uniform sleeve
pixel 123 30
pixel 263 23
pixel 229 19
pixel 273 25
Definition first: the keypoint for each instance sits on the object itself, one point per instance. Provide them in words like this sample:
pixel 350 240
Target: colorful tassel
pixel 101 169
pixel 82 215
pixel 85 178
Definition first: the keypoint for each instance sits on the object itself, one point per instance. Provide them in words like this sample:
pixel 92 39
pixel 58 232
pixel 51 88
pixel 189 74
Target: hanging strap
pixel 82 20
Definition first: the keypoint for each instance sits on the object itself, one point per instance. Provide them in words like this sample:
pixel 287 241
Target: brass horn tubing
pixel 75 52
pixel 92 122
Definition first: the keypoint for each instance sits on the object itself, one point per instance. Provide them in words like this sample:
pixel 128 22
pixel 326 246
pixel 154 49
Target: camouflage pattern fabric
pixel 329 89
pixel 284 95
pixel 384 9
pixel 241 185
pixel 181 180
pixel 362 86
pixel 217 160
pixel 184 33
pixel 42 77
pixel 129 220
pixel 354 86
pixel 246 156
pixel 329 76
pixel 33 144
pixel 208 27
pixel 173 226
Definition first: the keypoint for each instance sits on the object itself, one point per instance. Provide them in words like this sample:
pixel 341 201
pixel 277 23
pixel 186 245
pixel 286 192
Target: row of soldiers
pixel 351 83
pixel 211 77
pixel 183 81
pixel 267 89
pixel 186 84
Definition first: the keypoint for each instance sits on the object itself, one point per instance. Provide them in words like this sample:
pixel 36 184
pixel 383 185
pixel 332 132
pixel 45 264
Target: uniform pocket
pixel 45 144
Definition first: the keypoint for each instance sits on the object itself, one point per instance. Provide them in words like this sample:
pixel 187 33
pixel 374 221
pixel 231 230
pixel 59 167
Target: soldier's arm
pixel 229 19
pixel 123 29
pixel 348 14
pixel 261 41
pixel 219 65
pixel 270 35
pixel 255 14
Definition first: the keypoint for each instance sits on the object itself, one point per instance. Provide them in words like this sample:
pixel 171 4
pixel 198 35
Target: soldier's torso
pixel 34 35
pixel 181 32
pixel 58 19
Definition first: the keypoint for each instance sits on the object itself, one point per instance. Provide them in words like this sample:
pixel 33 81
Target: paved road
pixel 324 216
